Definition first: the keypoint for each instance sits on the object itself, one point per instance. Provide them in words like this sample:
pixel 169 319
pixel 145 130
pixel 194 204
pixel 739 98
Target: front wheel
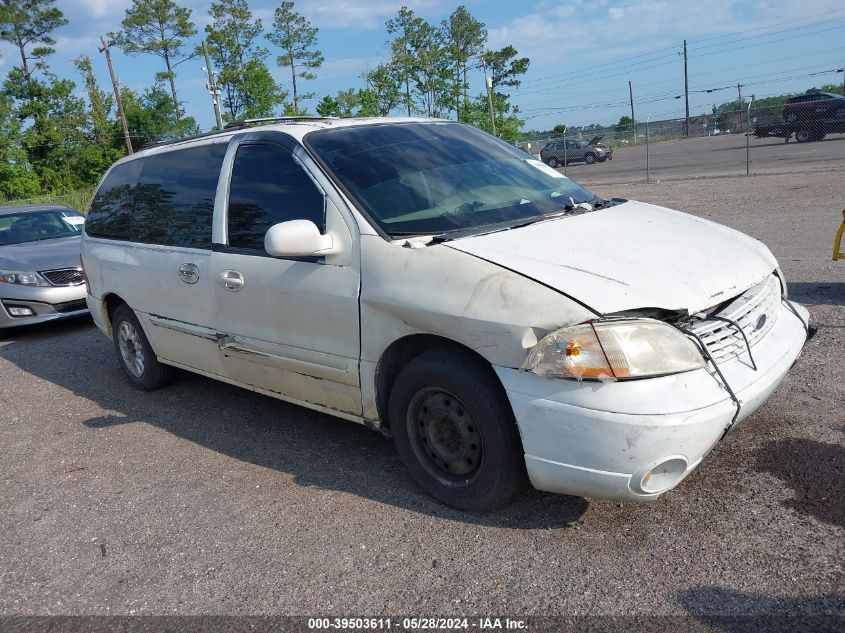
pixel 590 158
pixel 135 354
pixel 455 432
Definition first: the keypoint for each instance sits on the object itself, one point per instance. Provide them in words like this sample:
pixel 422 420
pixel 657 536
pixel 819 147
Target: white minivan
pixel 431 281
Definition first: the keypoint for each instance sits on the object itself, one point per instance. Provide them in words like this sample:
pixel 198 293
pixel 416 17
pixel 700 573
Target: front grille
pixel 70 306
pixel 64 276
pixel 722 339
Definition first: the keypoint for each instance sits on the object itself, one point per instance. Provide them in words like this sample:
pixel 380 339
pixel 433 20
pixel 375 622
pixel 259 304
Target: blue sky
pixel 583 52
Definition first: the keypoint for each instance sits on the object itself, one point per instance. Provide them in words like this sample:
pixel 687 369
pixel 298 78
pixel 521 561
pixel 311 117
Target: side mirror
pixel 297 238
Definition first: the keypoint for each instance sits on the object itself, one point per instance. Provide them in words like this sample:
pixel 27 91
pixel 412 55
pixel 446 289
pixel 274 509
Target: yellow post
pixel 837 241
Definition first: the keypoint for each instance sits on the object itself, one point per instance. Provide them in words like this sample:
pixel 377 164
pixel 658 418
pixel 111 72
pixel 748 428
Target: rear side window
pixel 112 206
pixel 268 186
pixel 165 198
pixel 174 198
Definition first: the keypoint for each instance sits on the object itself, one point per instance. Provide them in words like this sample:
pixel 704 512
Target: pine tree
pixel 158 27
pixel 297 38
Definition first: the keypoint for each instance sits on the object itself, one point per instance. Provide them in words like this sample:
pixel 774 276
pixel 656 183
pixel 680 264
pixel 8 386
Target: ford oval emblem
pixel 761 321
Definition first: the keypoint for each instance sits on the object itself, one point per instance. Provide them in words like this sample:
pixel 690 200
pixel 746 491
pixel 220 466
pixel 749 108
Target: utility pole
pixel 116 85
pixel 488 81
pixel 633 120
pixel 213 88
pixel 686 91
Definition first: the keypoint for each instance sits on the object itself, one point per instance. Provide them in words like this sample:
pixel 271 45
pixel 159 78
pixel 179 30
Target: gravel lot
pixel 203 498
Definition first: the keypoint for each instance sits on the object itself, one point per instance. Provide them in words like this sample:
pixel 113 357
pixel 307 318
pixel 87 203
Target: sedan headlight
pixel 612 350
pixel 22 278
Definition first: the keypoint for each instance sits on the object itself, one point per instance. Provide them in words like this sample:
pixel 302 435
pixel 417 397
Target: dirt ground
pixel 201 498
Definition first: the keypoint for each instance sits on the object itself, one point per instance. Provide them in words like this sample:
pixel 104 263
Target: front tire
pixel 135 354
pixel 590 158
pixel 455 432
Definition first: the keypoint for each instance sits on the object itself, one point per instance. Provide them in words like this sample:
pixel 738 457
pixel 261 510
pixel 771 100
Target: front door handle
pixel 232 280
pixel 189 273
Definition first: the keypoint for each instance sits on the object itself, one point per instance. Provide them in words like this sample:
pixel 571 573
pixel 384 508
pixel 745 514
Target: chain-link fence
pixel 805 133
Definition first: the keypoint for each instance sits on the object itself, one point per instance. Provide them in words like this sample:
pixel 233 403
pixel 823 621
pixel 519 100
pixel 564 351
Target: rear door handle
pixel 189 273
pixel 232 280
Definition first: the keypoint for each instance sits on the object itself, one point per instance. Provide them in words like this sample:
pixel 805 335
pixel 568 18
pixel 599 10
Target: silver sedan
pixel 41 278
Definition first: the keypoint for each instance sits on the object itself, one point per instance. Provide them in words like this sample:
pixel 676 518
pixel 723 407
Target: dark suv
pixel 817 105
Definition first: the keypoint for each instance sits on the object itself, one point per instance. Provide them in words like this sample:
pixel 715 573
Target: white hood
pixel 632 255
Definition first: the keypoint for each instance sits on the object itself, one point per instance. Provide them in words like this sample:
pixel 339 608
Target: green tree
pixel 560 128
pixel 385 83
pixel 508 124
pixel 404 26
pixel 53 119
pixel 505 68
pixel 99 102
pixel 465 37
pixel 17 177
pixel 261 92
pixel 96 150
pixel 233 42
pixel 150 117
pixel 298 39
pixel 625 126
pixel 158 27
pixel 328 106
pixel 420 54
pixel 27 24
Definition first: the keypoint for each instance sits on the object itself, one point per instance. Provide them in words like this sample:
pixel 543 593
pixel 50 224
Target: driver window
pixel 268 186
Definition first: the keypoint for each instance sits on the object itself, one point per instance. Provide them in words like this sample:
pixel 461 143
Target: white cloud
pixel 361 14
pixel 101 8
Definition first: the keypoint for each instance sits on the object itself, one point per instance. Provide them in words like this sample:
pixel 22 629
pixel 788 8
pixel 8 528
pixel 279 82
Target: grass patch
pixel 78 199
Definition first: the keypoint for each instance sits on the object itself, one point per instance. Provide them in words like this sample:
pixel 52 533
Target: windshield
pixel 33 226
pixel 434 178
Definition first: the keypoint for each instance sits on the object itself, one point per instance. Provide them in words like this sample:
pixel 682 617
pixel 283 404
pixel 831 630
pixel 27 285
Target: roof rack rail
pixel 237 124
pixel 242 123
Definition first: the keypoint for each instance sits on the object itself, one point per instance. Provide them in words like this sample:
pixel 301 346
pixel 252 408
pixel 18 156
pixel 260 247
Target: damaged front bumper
pixel 634 440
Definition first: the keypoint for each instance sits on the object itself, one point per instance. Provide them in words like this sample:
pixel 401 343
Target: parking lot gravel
pixel 202 498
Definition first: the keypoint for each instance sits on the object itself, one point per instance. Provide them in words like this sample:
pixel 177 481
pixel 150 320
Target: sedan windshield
pixel 437 178
pixel 33 226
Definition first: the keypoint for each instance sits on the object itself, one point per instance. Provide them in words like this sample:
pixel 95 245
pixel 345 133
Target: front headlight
pixel 612 350
pixel 22 278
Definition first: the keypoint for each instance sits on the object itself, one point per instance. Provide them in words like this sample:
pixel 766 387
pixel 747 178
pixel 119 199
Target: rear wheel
pixel 590 158
pixel 552 162
pixel 807 135
pixel 454 430
pixel 135 354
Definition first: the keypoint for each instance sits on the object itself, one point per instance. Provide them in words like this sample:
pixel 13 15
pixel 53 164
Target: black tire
pixel 805 135
pixel 135 354
pixel 552 162
pixel 454 429
pixel 589 158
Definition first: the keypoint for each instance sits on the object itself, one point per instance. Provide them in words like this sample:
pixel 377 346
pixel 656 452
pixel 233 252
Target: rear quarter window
pixel 112 204
pixel 165 198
